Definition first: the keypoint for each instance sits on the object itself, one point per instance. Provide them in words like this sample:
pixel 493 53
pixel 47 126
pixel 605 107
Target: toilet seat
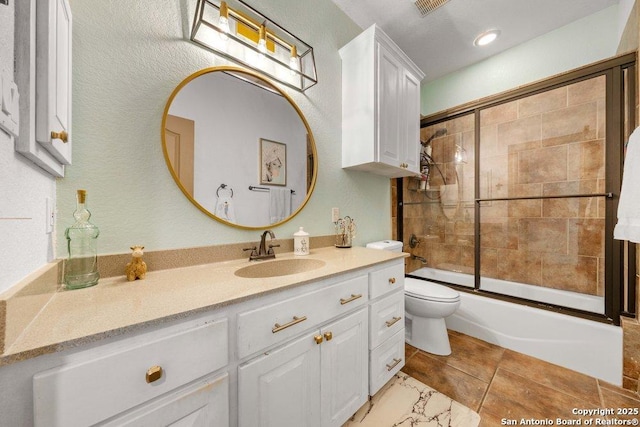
pixel 425 290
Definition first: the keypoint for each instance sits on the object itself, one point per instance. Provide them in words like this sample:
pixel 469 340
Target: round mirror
pixel 239 148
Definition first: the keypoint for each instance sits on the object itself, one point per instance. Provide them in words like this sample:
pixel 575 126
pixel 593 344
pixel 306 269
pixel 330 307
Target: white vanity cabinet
pixel 319 378
pixel 165 375
pixel 307 354
pixel 386 324
pixel 380 106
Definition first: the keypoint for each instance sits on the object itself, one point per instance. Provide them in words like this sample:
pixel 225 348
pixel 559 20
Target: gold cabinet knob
pixel 392 280
pixel 328 336
pixel 63 136
pixel 154 373
pixel 318 339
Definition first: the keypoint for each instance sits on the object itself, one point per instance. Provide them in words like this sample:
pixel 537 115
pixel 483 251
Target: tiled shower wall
pixel 548 144
pixel 446 241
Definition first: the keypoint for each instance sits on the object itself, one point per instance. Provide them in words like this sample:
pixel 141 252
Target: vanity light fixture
pixel 486 37
pixel 238 32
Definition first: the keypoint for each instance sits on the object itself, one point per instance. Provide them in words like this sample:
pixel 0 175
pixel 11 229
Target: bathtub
pixel 586 346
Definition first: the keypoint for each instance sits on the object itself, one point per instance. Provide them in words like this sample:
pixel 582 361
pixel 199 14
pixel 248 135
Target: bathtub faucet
pixel 419 258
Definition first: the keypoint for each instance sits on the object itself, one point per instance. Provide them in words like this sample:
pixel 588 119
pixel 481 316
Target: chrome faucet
pixel 262 252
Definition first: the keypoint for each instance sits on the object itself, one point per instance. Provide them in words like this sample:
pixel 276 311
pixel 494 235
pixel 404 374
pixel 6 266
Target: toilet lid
pixel 424 289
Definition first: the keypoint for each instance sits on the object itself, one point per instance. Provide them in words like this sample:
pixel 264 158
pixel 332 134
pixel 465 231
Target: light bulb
pixel 262 41
pixel 223 22
pixel 294 62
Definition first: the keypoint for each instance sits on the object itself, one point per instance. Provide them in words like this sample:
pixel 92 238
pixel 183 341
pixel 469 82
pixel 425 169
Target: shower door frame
pixel 620 111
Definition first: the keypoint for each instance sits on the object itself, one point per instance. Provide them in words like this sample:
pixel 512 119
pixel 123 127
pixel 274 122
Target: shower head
pixel 438 133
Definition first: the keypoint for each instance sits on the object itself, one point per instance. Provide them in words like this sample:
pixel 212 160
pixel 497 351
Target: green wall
pixel 128 56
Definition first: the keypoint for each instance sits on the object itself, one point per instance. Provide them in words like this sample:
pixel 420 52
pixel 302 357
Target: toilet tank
pixel 386 245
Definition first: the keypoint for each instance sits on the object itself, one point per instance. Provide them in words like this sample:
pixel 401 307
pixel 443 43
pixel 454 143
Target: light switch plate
pixel 49 216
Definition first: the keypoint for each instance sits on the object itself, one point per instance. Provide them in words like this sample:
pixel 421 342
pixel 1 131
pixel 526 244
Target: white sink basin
pixel 285 267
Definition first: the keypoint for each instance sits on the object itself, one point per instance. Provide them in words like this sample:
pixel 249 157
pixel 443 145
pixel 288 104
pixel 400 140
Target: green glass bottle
pixel 81 269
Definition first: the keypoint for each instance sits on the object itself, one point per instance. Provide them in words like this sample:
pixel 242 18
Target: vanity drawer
pixel 265 326
pixel 115 378
pixel 385 360
pixel 386 317
pixel 386 280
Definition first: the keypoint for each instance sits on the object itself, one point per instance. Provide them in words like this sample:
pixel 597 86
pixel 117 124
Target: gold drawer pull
pixel 278 327
pixel 392 321
pixel 392 280
pixel 394 364
pixel 318 339
pixel 63 136
pixel 354 297
pixel 328 336
pixel 154 373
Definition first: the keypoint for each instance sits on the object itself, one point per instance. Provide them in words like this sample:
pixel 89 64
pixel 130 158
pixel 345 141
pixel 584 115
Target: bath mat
pixel 406 402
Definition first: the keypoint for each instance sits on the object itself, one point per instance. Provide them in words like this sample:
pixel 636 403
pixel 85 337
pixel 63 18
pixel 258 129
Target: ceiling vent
pixel 427 6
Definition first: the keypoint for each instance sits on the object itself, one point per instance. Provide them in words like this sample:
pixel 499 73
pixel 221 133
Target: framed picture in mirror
pixel 273 162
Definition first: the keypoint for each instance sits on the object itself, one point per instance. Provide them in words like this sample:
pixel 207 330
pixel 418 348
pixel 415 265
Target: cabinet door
pixel 344 368
pixel 389 89
pixel 281 388
pixel 53 78
pixel 203 404
pixel 410 122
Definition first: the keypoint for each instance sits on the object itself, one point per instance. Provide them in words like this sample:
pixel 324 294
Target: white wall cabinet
pixel 380 106
pixel 43 76
pixel 53 78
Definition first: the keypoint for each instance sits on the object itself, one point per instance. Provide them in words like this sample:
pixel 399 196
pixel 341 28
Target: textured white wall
pixel 24 245
pixel 128 57
pixel 587 40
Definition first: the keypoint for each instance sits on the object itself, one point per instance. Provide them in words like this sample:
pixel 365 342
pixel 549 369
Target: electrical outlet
pixel 50 216
pixel 335 214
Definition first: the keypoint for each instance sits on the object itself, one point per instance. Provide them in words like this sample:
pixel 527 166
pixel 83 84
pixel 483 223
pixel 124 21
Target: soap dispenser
pixel 301 242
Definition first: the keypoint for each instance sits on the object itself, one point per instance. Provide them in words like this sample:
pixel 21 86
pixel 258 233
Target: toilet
pixel 426 305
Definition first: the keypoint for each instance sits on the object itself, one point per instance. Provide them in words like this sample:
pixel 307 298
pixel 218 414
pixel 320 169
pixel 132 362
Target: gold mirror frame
pixel 270 86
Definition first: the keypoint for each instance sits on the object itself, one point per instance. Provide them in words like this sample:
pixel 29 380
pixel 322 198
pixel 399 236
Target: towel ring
pixel 224 186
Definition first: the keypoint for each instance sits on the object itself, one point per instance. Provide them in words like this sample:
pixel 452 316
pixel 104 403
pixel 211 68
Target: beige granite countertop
pixel 115 306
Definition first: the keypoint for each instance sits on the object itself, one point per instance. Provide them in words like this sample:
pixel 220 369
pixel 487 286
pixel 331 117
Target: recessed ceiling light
pixel 486 37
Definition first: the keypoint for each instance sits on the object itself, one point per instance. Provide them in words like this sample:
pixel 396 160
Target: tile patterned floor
pixel 406 402
pixel 503 385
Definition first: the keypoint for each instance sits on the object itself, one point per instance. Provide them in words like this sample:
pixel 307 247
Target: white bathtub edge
pixel 586 346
